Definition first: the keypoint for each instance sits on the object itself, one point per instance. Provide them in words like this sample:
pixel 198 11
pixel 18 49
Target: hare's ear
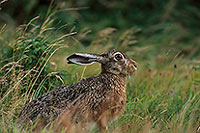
pixel 84 58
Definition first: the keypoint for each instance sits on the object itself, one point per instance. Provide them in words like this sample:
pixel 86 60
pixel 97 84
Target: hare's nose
pixel 134 65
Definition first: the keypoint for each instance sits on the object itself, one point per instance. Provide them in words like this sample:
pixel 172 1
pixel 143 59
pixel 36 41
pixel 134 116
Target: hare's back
pixel 50 104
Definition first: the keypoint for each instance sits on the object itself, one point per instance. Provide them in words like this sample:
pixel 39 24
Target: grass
pixel 163 96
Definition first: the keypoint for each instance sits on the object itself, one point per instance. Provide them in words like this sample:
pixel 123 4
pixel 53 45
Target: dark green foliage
pixel 30 55
pixel 168 23
pixel 32 49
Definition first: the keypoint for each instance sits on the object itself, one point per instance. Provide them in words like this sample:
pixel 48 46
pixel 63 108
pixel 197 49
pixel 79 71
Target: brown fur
pixel 98 99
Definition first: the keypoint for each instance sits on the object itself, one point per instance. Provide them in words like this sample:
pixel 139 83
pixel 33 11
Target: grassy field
pixel 163 96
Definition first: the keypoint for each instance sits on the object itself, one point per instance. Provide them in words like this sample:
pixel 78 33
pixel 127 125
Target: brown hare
pixel 97 99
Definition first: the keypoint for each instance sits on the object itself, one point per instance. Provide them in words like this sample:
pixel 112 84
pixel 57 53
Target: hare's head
pixel 112 62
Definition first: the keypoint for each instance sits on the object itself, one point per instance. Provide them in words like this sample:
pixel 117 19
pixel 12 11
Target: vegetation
pixel 162 36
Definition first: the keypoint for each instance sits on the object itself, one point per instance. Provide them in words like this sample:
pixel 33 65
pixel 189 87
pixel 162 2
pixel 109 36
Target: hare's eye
pixel 118 56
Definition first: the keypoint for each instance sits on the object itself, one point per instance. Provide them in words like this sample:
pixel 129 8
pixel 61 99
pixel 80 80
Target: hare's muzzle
pixel 132 66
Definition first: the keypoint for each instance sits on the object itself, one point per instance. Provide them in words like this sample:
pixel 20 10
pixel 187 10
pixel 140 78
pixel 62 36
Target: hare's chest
pixel 118 106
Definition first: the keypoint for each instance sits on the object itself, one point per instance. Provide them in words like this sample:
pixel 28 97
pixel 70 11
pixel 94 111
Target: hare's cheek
pixel 129 70
pixel 116 70
pixel 122 65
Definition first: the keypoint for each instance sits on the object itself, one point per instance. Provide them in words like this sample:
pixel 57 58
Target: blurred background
pixel 166 23
pixel 147 29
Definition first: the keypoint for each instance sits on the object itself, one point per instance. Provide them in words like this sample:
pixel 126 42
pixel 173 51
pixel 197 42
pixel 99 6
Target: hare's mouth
pixel 130 73
pixel 133 73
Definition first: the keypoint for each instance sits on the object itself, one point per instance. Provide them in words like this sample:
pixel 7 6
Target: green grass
pixel 163 96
